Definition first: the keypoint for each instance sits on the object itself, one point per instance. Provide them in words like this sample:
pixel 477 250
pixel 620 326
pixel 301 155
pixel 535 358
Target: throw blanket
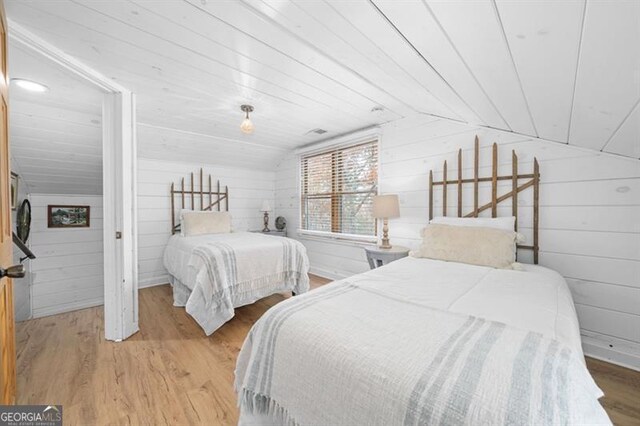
pixel 347 354
pixel 238 271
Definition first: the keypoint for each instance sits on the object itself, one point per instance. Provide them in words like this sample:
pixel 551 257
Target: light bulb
pixel 246 126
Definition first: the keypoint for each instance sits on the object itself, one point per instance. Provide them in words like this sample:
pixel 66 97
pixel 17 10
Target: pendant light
pixel 247 125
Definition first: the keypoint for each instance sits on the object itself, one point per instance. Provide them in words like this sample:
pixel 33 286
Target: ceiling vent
pixel 317 131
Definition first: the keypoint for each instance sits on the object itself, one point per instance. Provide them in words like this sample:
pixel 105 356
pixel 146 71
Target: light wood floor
pixel 170 373
pixel 621 387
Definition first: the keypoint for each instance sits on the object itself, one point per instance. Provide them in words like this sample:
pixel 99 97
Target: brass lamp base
pixel 266 223
pixel 385 235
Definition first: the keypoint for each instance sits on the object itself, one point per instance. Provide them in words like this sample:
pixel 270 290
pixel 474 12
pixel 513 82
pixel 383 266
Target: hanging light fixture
pixel 247 125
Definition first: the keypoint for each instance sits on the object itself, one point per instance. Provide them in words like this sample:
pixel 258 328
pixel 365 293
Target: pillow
pixel 473 245
pixel 505 223
pixel 204 222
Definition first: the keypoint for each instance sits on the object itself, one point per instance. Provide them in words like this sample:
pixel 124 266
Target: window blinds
pixel 337 189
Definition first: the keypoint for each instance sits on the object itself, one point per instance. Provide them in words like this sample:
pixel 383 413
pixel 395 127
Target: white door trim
pixel 119 187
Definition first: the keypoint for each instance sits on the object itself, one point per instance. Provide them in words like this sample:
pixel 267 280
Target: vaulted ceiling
pixel 566 71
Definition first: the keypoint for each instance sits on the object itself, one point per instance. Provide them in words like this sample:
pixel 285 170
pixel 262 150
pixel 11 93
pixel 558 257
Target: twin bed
pixel 445 336
pixel 214 270
pixel 421 342
pixel 213 274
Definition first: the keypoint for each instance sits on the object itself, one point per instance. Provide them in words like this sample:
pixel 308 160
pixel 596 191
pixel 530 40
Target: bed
pixel 214 270
pixel 369 350
pixel 424 341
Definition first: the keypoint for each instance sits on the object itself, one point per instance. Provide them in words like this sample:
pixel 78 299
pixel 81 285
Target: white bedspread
pixel 421 342
pixel 213 274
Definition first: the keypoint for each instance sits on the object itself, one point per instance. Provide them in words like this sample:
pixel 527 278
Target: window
pixel 338 188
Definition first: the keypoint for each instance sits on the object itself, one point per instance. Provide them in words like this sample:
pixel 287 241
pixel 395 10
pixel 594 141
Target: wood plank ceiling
pixel 566 71
pixel 56 136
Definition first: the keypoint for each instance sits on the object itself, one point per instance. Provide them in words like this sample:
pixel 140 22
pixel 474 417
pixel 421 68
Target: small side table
pixel 273 233
pixel 378 257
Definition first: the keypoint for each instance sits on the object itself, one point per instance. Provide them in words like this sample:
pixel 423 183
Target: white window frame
pixel 119 187
pixel 369 134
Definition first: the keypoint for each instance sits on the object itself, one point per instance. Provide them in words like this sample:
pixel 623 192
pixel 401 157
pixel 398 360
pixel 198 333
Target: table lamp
pixel 385 207
pixel 266 208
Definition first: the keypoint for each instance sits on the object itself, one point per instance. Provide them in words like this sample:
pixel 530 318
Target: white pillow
pixel 505 223
pixel 182 212
pixel 204 222
pixel 473 245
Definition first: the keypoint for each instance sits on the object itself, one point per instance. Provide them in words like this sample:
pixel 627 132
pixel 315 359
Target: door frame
pixel 119 160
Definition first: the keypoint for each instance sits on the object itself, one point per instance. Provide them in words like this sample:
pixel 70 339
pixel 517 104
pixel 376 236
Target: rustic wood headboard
pixel 192 194
pixel 530 180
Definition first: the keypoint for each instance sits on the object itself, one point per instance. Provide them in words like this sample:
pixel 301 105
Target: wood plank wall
pixel 68 271
pixel 247 189
pixel 589 217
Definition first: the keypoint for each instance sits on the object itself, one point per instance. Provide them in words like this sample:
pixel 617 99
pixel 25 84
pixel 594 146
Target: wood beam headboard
pixel 530 180
pixel 191 195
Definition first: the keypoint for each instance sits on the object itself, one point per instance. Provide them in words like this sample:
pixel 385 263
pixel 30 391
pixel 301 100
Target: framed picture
pixel 14 191
pixel 68 216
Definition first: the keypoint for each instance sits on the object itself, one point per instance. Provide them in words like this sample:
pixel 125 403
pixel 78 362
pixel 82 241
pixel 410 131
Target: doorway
pixel 118 192
pixel 55 131
pixel 119 188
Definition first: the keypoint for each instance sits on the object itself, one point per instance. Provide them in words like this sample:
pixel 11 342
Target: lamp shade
pixel 386 206
pixel 265 206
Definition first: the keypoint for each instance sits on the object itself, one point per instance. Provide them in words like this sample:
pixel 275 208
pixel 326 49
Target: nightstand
pixel 379 257
pixel 273 233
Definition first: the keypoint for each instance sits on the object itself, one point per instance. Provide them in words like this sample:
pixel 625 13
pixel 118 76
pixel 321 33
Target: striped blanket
pixel 347 354
pixel 238 270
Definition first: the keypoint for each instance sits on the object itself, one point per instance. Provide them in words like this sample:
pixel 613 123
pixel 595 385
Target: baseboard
pixel 618 359
pixel 153 282
pixel 330 275
pixel 607 349
pixel 67 307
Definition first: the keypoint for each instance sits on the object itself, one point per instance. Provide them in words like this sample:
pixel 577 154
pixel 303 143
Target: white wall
pixel 68 271
pixel 589 217
pixel 247 189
